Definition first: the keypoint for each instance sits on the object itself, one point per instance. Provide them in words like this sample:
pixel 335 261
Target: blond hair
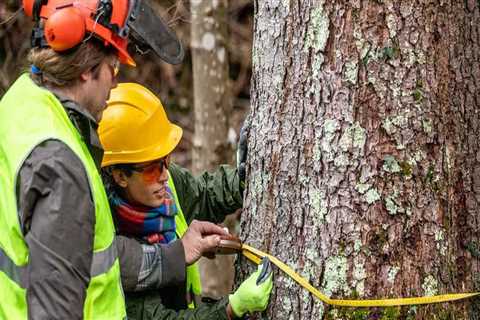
pixel 63 69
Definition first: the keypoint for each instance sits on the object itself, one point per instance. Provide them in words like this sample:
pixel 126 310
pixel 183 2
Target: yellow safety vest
pixel 194 284
pixel 30 115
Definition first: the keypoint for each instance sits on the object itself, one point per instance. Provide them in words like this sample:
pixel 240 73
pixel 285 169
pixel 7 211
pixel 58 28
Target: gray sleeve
pixel 130 255
pixel 57 216
pixel 144 267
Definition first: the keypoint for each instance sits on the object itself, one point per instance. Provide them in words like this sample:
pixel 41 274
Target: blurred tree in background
pixel 214 138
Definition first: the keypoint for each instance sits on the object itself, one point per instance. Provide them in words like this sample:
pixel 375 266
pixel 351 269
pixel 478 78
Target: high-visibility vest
pixel 30 115
pixel 194 284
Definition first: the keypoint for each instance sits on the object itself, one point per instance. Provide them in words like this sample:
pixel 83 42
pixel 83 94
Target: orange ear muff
pixel 65 29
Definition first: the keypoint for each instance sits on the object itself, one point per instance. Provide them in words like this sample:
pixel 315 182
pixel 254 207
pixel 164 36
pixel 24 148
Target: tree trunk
pixel 212 105
pixel 212 101
pixel 363 169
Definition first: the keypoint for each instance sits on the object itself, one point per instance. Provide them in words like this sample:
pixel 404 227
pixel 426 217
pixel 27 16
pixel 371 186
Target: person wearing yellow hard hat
pixel 156 202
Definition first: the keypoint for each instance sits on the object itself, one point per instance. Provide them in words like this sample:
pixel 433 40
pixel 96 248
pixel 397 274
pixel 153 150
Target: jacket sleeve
pixel 57 216
pixel 210 196
pixel 151 308
pixel 144 267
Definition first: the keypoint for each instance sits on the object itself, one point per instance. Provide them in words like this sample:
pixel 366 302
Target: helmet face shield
pixel 149 32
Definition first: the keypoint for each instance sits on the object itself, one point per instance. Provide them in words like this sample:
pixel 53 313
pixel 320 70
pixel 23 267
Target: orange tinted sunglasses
pixel 152 171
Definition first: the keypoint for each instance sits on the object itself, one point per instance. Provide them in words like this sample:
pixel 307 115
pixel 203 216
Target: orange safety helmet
pixel 135 128
pixel 68 22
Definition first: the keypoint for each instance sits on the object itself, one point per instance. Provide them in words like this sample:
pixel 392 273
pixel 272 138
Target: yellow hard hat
pixel 135 128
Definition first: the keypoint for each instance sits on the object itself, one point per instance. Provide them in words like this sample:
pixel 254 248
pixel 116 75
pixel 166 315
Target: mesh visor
pixel 149 32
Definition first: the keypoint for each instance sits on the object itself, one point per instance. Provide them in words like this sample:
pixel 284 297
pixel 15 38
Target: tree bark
pixel 212 106
pixel 363 169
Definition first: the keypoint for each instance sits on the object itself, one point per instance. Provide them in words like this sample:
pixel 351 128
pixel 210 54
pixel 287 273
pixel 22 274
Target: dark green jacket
pixel 208 197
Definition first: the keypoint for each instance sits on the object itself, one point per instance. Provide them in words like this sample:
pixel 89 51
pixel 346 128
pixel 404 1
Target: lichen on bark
pixel 365 140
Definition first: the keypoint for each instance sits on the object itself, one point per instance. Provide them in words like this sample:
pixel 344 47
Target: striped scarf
pixel 154 225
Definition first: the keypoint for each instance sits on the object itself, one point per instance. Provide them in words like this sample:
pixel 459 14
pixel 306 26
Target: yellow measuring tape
pixel 255 256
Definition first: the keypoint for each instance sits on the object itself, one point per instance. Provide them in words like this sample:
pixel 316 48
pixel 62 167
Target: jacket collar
pixel 86 125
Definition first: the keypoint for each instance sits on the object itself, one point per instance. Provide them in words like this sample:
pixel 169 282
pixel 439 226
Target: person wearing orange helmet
pixel 156 201
pixel 58 250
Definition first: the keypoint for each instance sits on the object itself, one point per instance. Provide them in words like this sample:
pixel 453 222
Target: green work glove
pixel 254 293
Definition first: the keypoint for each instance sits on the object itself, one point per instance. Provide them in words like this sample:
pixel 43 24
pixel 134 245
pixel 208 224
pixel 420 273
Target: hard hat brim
pixel 151 153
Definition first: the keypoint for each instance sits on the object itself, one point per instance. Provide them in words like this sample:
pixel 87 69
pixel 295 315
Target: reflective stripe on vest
pixel 102 262
pixel 14 272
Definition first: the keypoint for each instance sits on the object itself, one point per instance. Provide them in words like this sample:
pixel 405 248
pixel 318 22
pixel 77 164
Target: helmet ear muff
pixel 64 24
pixel 65 29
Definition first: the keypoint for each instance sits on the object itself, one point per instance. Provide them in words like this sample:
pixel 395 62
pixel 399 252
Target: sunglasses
pixel 113 66
pixel 152 171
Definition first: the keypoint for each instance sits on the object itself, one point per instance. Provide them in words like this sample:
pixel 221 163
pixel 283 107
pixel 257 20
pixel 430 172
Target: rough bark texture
pixel 212 106
pixel 364 171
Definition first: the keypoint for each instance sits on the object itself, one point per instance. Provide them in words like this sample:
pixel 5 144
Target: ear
pixel 120 178
pixel 86 75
